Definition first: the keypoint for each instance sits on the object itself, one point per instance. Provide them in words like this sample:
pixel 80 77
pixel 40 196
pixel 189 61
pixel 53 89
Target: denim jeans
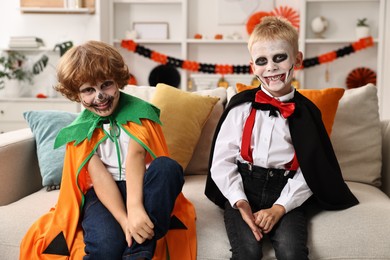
pixel 104 237
pixel 288 236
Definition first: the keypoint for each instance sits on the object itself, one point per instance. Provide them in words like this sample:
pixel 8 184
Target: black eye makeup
pixel 280 57
pixel 87 90
pixel 107 83
pixel 261 61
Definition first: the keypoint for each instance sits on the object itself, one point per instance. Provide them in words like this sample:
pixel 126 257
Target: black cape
pixel 314 152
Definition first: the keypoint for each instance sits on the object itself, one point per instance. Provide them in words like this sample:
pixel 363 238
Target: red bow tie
pixel 265 102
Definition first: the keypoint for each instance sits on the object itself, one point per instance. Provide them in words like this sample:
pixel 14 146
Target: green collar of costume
pixel 129 109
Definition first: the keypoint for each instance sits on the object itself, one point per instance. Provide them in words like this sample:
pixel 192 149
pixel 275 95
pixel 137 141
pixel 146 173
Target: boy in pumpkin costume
pixel 120 194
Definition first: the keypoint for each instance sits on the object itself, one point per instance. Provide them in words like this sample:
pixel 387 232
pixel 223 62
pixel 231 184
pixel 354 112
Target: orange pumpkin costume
pixel 58 233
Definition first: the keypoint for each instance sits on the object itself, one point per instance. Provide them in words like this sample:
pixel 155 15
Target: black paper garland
pixel 240 69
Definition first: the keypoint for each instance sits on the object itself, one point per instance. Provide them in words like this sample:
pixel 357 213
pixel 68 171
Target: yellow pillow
pixel 327 100
pixel 183 115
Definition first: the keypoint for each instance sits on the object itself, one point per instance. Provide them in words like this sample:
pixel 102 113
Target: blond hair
pixel 274 28
pixel 91 62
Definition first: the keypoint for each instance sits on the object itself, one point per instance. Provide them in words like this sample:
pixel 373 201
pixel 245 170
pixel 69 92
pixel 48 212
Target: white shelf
pixel 34 99
pixel 29 49
pixel 152 41
pixel 332 41
pixel 57 10
pixel 325 1
pixel 213 41
pixel 148 1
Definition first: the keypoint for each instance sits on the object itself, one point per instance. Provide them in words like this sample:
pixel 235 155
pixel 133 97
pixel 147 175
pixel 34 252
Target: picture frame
pixel 151 30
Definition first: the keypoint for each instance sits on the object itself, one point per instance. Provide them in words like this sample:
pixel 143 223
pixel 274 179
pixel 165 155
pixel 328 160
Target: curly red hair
pixel 91 62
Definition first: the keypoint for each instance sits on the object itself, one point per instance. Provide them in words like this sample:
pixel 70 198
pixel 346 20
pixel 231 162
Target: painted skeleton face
pixel 273 63
pixel 101 99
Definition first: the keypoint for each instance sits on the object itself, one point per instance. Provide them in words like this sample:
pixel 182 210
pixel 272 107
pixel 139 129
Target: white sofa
pixel 362 145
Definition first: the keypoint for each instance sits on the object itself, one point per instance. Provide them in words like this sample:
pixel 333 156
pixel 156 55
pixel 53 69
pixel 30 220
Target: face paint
pixel 101 99
pixel 274 65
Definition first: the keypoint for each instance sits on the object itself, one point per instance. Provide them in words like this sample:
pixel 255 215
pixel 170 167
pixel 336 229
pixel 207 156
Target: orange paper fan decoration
pixel 288 13
pixel 132 80
pixel 360 77
pixel 254 19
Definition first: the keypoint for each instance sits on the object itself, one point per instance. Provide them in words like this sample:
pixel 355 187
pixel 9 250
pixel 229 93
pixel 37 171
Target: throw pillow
pixel 326 100
pixel 357 135
pixel 199 162
pixel 183 115
pixel 45 125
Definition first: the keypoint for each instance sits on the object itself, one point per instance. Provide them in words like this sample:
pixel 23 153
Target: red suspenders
pixel 246 151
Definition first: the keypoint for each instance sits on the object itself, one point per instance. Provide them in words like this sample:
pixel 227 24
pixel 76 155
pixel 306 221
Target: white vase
pixel 362 32
pixel 14 88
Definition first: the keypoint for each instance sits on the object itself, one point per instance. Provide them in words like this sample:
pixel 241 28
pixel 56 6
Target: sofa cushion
pixel 45 125
pixel 183 115
pixel 326 100
pixel 198 163
pixel 357 137
pixel 359 232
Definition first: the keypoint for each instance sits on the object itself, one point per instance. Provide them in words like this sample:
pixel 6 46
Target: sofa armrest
pixel 386 156
pixel 19 170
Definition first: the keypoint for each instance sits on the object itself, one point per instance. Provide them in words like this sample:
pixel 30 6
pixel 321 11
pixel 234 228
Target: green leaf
pixel 40 65
pixel 63 47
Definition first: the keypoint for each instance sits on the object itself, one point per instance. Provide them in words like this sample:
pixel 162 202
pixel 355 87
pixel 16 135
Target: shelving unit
pixel 59 10
pixel 342 16
pixel 124 13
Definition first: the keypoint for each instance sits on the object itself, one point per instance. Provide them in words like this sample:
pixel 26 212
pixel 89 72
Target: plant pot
pixel 362 32
pixel 14 88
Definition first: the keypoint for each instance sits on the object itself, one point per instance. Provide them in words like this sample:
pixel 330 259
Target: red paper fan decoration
pixel 360 77
pixel 288 13
pixel 254 19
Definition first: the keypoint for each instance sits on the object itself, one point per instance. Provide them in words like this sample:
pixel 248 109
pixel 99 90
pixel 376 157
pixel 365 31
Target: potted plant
pixel 15 70
pixel 362 28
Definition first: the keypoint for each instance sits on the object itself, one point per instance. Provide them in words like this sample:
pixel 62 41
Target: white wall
pixel 385 95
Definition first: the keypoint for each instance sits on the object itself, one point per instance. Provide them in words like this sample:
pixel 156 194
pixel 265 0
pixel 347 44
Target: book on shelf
pixel 25 42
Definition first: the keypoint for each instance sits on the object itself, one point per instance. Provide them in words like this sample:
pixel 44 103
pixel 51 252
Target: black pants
pixel 289 235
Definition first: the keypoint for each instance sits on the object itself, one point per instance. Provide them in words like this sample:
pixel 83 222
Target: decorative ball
pixel 164 74
pixel 319 25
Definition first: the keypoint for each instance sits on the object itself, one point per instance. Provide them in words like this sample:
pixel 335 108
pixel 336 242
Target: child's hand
pixel 247 216
pixel 266 219
pixel 139 225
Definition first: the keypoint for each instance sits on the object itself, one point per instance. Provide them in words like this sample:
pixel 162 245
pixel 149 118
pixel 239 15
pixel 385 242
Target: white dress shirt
pixel 273 149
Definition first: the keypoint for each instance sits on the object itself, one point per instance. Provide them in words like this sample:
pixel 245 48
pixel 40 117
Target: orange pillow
pixel 327 100
pixel 241 87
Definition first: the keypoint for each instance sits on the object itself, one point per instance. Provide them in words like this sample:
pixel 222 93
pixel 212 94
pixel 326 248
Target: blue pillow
pixel 45 125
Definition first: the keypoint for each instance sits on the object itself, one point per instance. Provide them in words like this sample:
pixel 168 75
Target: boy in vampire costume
pixel 271 153
pixel 120 195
